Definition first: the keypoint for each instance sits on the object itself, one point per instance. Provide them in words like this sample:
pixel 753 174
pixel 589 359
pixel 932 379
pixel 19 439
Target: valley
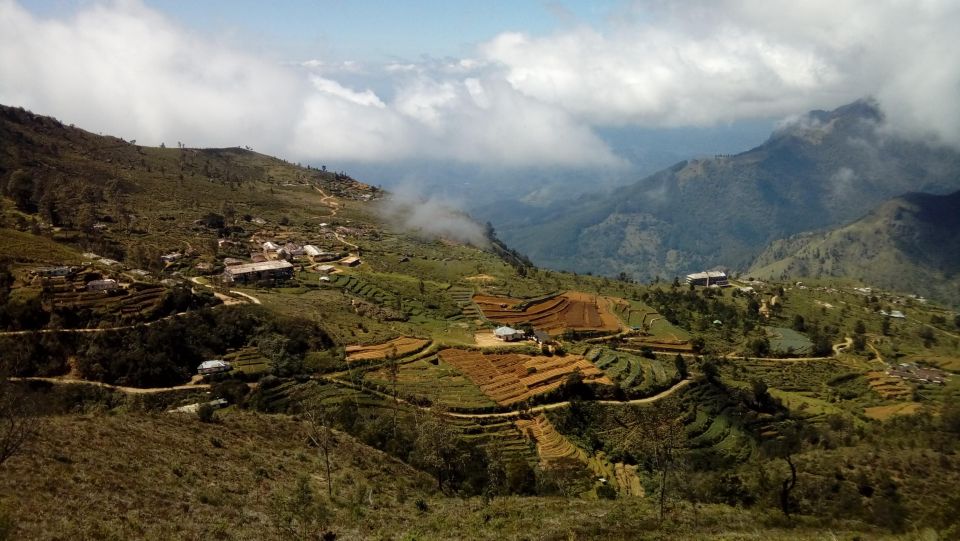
pixel 381 380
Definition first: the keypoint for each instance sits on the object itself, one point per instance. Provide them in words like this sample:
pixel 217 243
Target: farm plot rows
pixel 632 372
pixel 513 377
pixel 718 428
pixel 463 296
pixel 889 387
pixel 572 310
pixel 397 348
pixel 503 435
pixel 360 287
pixel 126 302
pixel 430 378
pixel 812 376
pixel 552 447
pixel 248 360
pixel 555 450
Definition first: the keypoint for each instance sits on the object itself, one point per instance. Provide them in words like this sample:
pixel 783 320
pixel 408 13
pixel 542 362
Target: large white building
pixel 708 278
pixel 251 272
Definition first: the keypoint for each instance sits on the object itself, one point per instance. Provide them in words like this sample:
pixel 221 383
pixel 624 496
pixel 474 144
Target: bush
pixel 206 413
pixel 233 391
pixel 421 505
pixel 606 492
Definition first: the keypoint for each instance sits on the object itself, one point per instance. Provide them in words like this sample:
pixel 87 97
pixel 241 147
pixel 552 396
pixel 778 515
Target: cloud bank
pixel 520 100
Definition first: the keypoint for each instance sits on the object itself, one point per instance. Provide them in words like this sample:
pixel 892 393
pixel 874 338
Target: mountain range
pixel 815 172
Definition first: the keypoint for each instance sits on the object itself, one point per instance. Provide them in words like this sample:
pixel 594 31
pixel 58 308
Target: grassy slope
pixel 171 477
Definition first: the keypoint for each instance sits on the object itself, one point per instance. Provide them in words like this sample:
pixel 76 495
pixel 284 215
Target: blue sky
pixel 367 30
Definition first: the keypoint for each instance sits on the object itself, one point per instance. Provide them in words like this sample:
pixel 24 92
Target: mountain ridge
pixel 817 171
pixel 908 243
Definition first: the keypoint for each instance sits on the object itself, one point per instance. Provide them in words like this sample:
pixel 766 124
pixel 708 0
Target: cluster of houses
pixel 67 274
pixel 919 374
pixel 273 263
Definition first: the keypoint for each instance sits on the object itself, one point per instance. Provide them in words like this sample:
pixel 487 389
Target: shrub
pixel 606 492
pixel 421 505
pixel 206 413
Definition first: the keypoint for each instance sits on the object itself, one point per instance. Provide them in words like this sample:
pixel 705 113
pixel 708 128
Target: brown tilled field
pixel 552 447
pixel 399 346
pixel 572 310
pixel 512 377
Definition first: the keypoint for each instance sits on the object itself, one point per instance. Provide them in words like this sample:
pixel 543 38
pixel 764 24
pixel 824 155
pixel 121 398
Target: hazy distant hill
pixel 820 170
pixel 910 243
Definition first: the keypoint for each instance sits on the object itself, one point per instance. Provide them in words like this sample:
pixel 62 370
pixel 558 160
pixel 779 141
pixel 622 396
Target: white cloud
pixel 122 68
pixel 700 63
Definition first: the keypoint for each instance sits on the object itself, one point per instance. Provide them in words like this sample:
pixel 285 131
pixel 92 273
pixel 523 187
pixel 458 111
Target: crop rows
pixel 398 347
pixel 513 377
pixel 631 371
pixel 361 288
pixel 556 315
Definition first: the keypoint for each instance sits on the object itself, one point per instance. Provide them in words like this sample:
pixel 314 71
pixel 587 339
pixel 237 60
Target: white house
pixel 508 334
pixel 214 366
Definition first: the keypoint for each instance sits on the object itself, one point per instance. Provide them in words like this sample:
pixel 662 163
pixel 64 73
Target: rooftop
pixel 259 267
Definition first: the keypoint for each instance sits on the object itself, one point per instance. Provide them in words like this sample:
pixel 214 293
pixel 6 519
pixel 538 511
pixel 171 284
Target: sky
pixel 510 83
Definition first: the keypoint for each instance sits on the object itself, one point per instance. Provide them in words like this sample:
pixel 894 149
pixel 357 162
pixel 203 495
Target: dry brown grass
pixel 169 476
pixel 882 413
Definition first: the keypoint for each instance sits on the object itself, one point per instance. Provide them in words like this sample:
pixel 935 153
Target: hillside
pixel 187 328
pixel 909 243
pixel 819 170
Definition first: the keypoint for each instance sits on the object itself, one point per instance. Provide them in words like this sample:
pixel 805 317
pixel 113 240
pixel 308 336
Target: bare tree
pixel 393 370
pixel 320 434
pixel 18 423
pixel 657 433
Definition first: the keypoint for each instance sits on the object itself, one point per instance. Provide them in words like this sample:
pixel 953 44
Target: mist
pixel 431 218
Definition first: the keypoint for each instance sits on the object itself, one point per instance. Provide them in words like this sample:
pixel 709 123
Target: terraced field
pixel 633 372
pixel 716 428
pixel 127 302
pixel 248 360
pixel 503 435
pixel 811 376
pixel 570 311
pixel 463 296
pixel 628 480
pixel 360 287
pixel 552 447
pixel 512 377
pixel 889 387
pixel 435 380
pixel 555 450
pixel 398 347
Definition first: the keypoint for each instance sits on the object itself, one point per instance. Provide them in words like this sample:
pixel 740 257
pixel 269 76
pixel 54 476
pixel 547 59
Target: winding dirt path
pixel 121 388
pixel 334 207
pixel 513 413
